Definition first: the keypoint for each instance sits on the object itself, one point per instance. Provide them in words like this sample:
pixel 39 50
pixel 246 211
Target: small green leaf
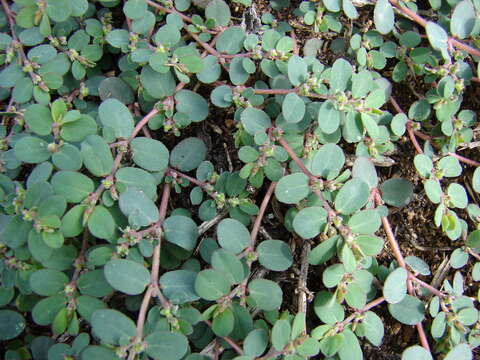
pixel 310 221
pixel 293 108
pixel 48 282
pixel 416 352
pixel 340 75
pixel 96 155
pixel 179 286
pixel 463 19
pixel 12 324
pixel 229 265
pixel 255 120
pixel 166 345
pixel 233 235
pixel 223 323
pixel 328 161
pixel 281 334
pixel 292 188
pixel 73 186
pixel 383 16
pixel 149 154
pixel 352 196
pixel 409 311
pixel 140 209
pixel 265 294
pixel 114 114
pixel 327 308
pixel 188 154
pixel 135 9
pixel 32 150
pixel 211 285
pixel 219 11
pixel 297 70
pixel 101 223
pixel 39 119
pixel 192 104
pixel 460 352
pixel 111 326
pixel 274 255
pixel 181 231
pixel 396 192
pixel 395 287
pixel 126 276
pixel 438 38
pixel 256 342
pixel 59 10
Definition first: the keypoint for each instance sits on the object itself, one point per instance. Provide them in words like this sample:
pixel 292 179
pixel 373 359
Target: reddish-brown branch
pixel 421 21
pixel 261 213
pixel 229 341
pixel 367 307
pixel 426 286
pixel 296 159
pixel 410 131
pixel 464 159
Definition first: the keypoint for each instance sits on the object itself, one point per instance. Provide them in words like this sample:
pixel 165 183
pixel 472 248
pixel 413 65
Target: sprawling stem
pixel 421 21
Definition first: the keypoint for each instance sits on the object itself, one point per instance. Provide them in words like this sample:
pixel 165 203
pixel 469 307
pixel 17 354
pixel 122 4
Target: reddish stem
pixel 229 341
pixel 464 159
pixel 261 213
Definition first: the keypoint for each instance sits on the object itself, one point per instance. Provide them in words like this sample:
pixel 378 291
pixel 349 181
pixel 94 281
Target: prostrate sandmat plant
pixel 122 235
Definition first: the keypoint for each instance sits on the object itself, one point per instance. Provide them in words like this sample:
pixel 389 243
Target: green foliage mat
pixel 120 235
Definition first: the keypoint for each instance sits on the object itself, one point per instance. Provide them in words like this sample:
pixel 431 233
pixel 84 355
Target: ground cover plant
pixel 210 179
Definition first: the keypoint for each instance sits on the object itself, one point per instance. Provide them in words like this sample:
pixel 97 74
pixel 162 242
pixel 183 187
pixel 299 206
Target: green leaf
pixel 192 104
pixel 59 10
pixel 416 352
pixel 328 161
pixel 135 9
pixel 179 286
pixel 114 114
pixel 340 75
pixel 281 334
pixel 219 11
pixel 32 150
pixel 458 195
pixel 48 282
pixel 350 348
pixel 450 166
pixel 79 129
pixel 181 231
pixel 116 88
pixel 423 164
pixel 293 108
pixel 135 177
pixel 463 19
pixel 409 311
pixel 372 327
pixel 93 283
pixel 292 188
pixel 72 222
pixel 138 207
pixel 188 154
pixel 438 38
pixel 118 38
pixel 352 196
pixel 157 85
pixel 297 70
pixel 166 345
pixel 395 287
pixel 433 190
pixel 230 41
pixel 46 309
pixel 255 120
pixel 96 155
pixel 126 276
pixel 418 265
pixel 383 17
pixel 111 326
pixel 329 117
pixel 101 223
pixel 149 154
pixel 460 352
pixel 211 285
pixel 323 252
pixel 233 235
pixel 223 323
pixel 476 180
pixel 265 294
pixel 97 352
pixel 67 157
pixel 274 255
pixel 229 265
pixel 310 221
pixel 365 222
pixel 73 186
pixel 396 192
pixel 327 308
pixel 256 342
pixel 12 324
pixel 364 169
pixel 473 240
pixel 39 119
